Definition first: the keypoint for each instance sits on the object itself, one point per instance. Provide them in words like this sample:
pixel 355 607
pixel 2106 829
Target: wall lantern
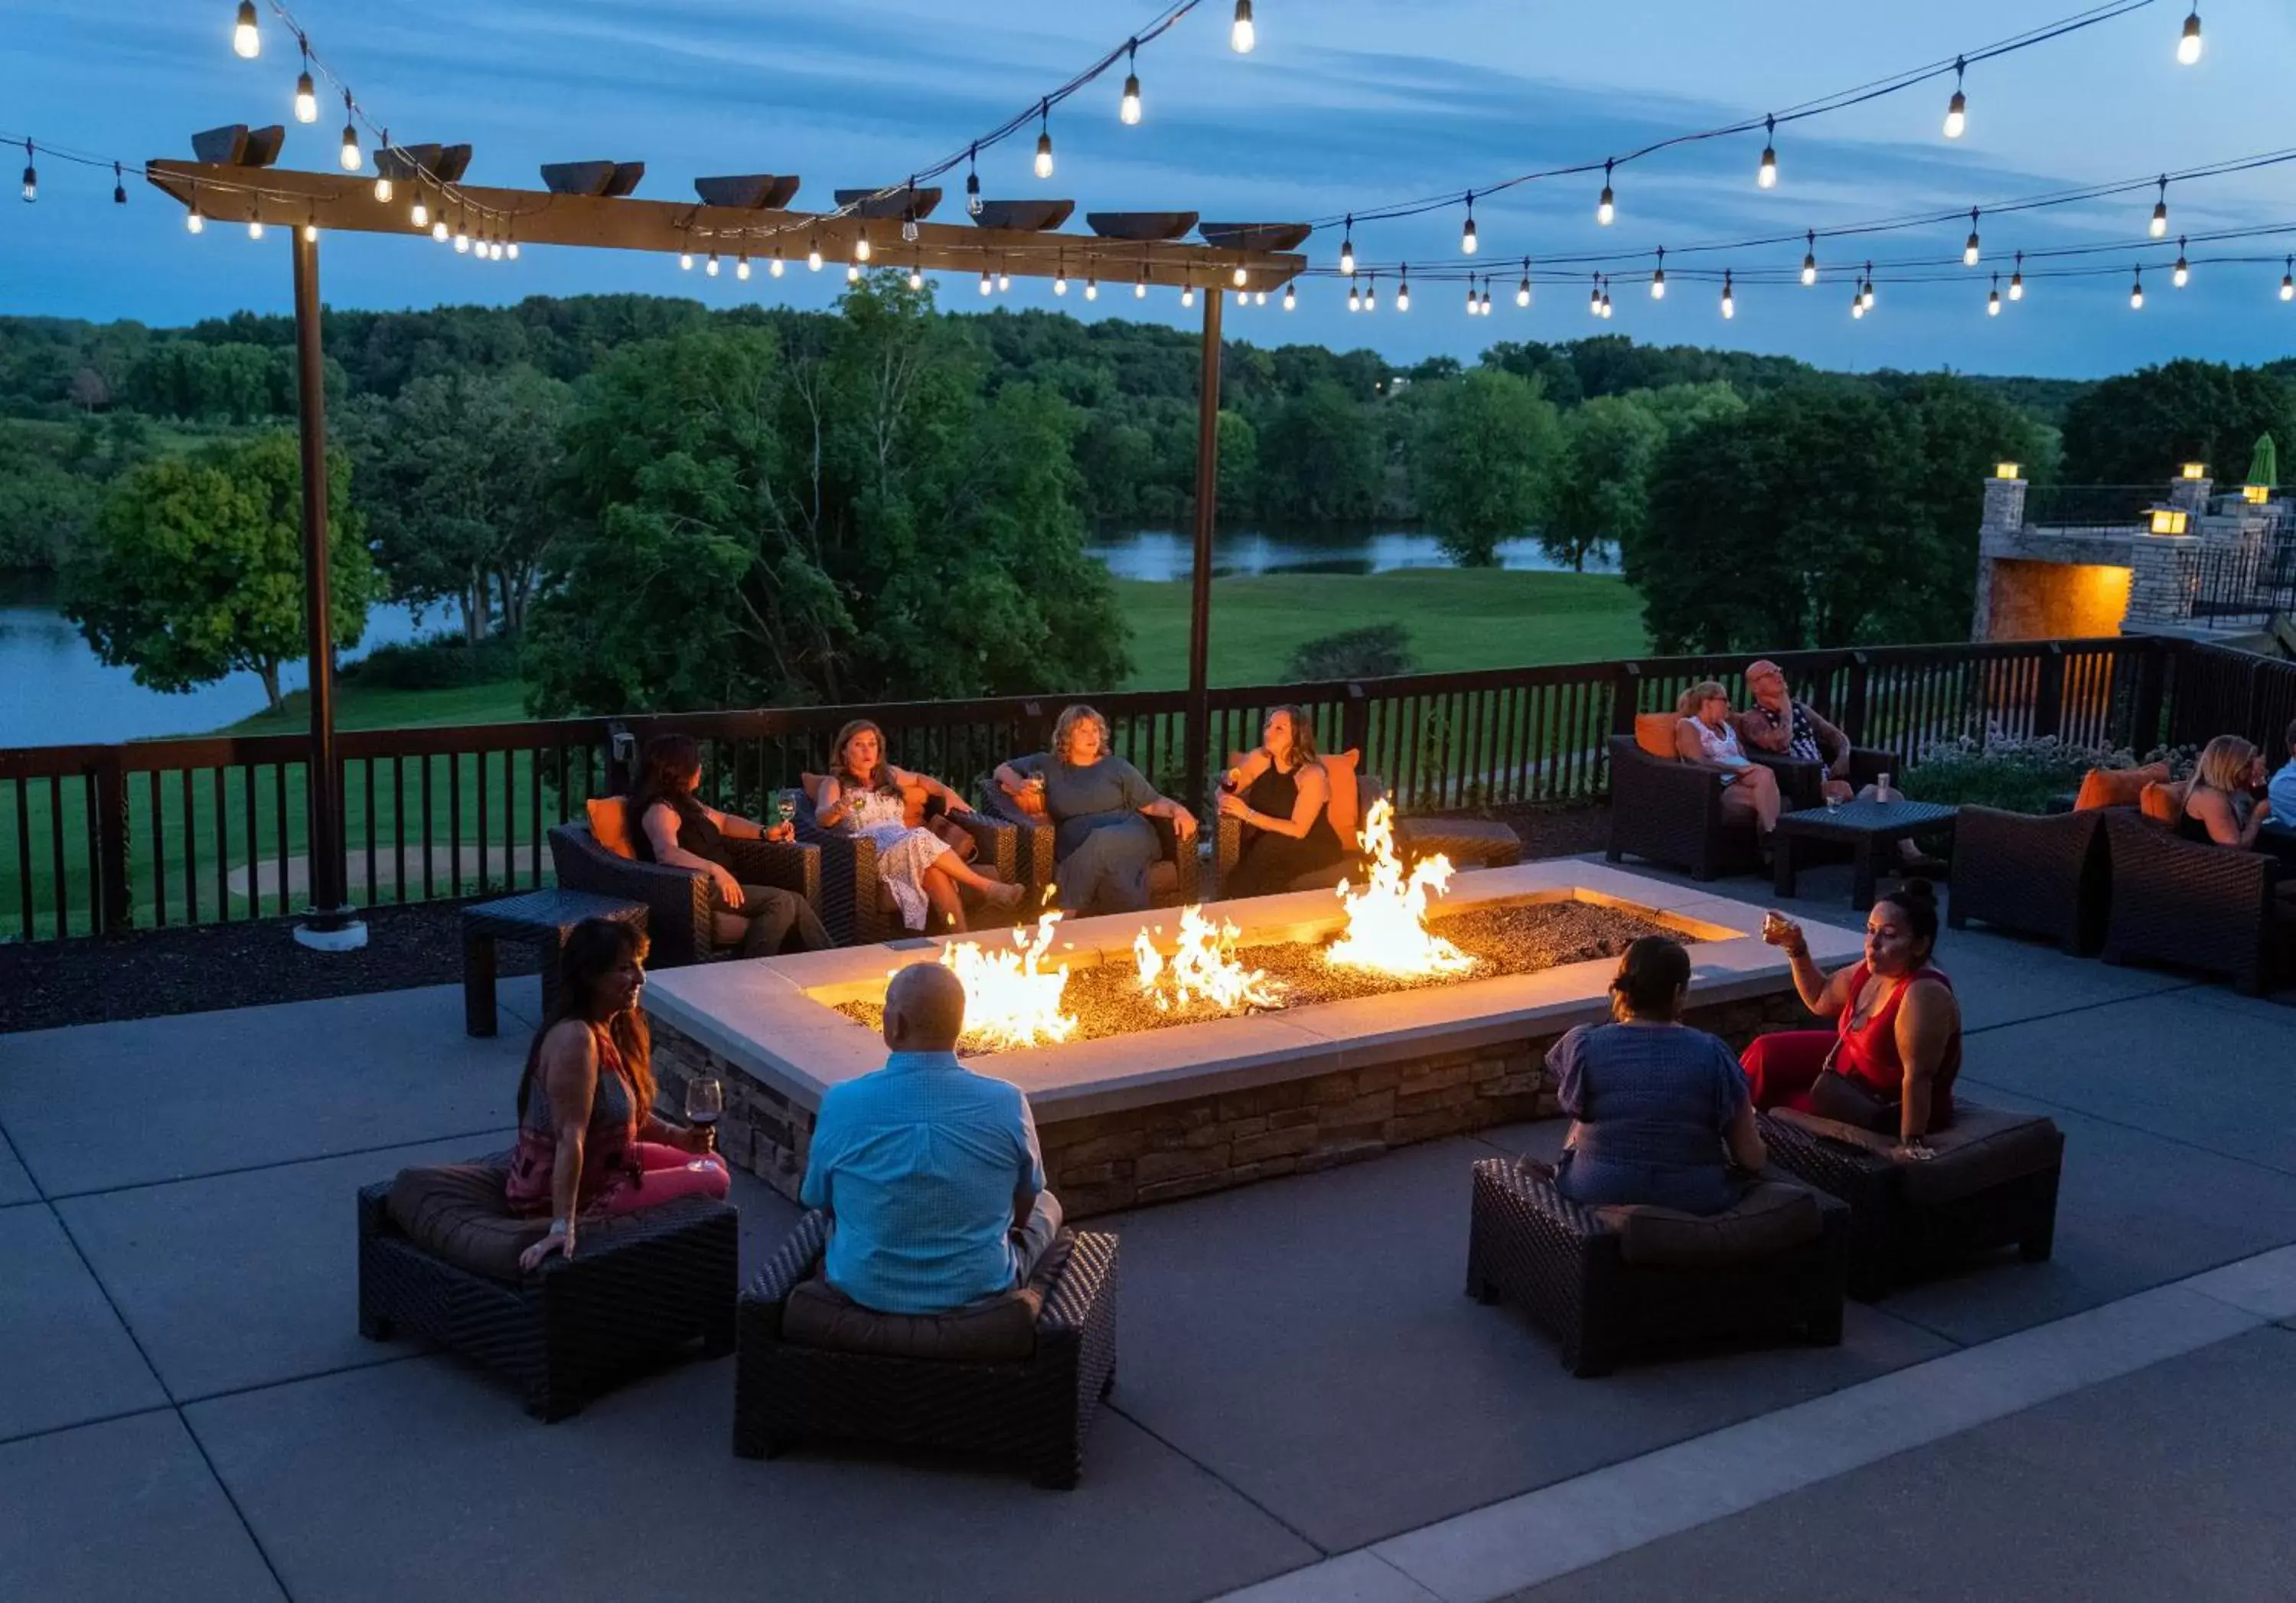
pixel 2196 470
pixel 2168 520
pixel 2006 470
pixel 2256 494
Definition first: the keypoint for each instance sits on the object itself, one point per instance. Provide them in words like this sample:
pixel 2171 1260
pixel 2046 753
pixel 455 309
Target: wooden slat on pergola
pixel 345 203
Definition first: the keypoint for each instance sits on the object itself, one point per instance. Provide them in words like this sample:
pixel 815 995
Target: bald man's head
pixel 924 1009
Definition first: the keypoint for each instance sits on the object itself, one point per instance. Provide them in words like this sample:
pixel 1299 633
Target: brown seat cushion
pixel 1654 734
pixel 1772 1217
pixel 1983 1147
pixel 996 1329
pixel 459 1211
pixel 2118 787
pixel 1468 843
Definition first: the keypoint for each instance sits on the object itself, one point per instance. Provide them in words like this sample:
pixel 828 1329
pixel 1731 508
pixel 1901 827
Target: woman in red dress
pixel 1889 1063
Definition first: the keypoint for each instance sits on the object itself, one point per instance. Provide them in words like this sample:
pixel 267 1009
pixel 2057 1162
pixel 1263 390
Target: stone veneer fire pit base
pixel 1148 1117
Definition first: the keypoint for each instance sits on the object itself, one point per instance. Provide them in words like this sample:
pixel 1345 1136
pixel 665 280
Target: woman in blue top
pixel 1659 1110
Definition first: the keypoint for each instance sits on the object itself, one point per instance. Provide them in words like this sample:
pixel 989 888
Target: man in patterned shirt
pixel 930 1173
pixel 1783 726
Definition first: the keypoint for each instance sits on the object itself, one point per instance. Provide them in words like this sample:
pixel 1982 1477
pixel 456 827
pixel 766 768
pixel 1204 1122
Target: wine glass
pixel 785 806
pixel 705 1101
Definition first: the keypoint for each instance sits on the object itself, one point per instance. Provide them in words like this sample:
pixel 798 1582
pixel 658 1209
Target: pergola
pixel 308 204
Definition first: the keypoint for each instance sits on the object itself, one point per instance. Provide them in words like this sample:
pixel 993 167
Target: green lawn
pixel 360 707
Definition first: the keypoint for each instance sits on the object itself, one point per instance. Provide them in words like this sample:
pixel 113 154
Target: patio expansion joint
pixel 1161 1440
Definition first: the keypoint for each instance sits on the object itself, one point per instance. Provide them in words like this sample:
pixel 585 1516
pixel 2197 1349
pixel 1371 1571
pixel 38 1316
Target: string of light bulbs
pixel 1768 124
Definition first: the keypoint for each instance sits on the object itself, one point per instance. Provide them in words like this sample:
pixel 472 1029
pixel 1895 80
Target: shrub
pixel 2015 774
pixel 1373 652
pixel 438 662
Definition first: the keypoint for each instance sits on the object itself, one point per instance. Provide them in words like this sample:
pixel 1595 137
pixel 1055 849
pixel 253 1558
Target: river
pixel 58 692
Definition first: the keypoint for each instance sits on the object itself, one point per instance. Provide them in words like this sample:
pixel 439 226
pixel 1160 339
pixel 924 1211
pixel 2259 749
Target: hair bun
pixel 1916 889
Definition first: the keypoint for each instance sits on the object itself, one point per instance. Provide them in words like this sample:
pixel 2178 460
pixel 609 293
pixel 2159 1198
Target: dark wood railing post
pixel 1853 703
pixel 1355 720
pixel 2049 694
pixel 2144 714
pixel 1625 696
pixel 119 903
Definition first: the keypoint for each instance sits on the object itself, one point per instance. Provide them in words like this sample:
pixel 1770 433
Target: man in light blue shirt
pixel 2281 791
pixel 930 1173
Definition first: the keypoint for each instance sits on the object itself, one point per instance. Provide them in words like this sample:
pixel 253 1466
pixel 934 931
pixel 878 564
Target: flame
pixel 1386 919
pixel 1011 1000
pixel 1203 968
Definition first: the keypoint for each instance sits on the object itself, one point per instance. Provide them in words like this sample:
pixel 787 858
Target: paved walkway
pixel 1307 1405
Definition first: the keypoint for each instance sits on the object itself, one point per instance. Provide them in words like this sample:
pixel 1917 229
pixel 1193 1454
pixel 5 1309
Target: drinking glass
pixel 705 1101
pixel 785 806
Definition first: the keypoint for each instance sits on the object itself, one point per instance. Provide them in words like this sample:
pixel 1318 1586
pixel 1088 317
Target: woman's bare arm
pixel 1927 1020
pixel 1823 995
pixel 1743 1139
pixel 1315 793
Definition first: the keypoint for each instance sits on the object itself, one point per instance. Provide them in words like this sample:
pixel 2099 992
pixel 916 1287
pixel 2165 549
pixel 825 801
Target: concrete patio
pixel 1308 1406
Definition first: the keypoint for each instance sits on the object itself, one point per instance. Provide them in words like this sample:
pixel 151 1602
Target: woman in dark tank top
pixel 670 825
pixel 1283 793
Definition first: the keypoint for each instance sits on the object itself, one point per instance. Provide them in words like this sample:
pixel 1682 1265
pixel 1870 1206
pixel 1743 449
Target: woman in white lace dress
pixel 926 879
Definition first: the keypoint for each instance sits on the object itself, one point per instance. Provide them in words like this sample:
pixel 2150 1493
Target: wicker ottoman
pixel 1035 1409
pixel 1468 843
pixel 1603 1281
pixel 438 1258
pixel 1992 1184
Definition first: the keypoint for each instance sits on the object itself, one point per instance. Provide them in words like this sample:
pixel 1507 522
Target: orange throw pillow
pixel 610 824
pixel 1654 734
pixel 2163 804
pixel 1346 805
pixel 2118 787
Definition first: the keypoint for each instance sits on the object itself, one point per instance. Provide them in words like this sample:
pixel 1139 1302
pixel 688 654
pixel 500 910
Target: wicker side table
pixel 542 918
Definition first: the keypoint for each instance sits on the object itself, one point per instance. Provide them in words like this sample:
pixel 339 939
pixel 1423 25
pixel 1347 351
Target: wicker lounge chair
pixel 678 900
pixel 1172 883
pixel 1992 1184
pixel 856 906
pixel 1586 1276
pixel 1035 1409
pixel 1671 812
pixel 2193 904
pixel 638 1289
pixel 2045 875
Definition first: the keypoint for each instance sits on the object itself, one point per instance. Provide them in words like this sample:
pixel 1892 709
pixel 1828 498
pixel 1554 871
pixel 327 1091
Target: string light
pixel 1188 294
pixel 351 159
pixel 1092 288
pixel 1467 234
pixel 861 247
pixel 1473 305
pixel 1238 276
pixel 741 267
pixel 1127 110
pixel 1347 247
pixel 917 277
pixel 1729 301
pixel 1403 289
pixel 1809 258
pixel 776 265
pixel 1291 297
pixel 311 231
pixel 2288 279
pixel 246 38
pixel 909 214
pixel 1866 294
pixel 1370 295
pixel 462 238
pixel 439 233
pixel 1045 139
pixel 2181 273
pixel 1606 298
pixel 1243 297
pixel 1956 109
pixel 306 96
pixel 2137 292
pixel 853 272
pixel 2017 279
pixel 1595 297
pixel 710 266
pixel 1487 295
pixel 194 222
pixel 1606 210
pixel 1969 250
pixel 813 254
pixel 1767 176
pixel 1140 285
pixel 2188 45
pixel 254 226
pixel 419 214
pixel 1355 296
pixel 1004 278
pixel 1522 290
pixel 2161 211
pixel 684 258
pixel 985 286
pixel 382 191
pixel 510 249
pixel 31 175
pixel 118 185
pixel 1857 303
pixel 973 181
pixel 1061 279
pixel 1993 301
pixel 1657 279
pixel 1242 36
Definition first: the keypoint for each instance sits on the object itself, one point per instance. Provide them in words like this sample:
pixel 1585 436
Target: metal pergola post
pixel 1199 600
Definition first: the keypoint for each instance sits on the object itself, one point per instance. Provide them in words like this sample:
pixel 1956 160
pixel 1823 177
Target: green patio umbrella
pixel 2263 466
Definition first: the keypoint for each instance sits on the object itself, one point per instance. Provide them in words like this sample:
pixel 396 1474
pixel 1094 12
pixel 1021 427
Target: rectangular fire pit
pixel 1159 1113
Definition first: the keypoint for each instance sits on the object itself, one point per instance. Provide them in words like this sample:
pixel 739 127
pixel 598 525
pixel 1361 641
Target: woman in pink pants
pixel 589 1143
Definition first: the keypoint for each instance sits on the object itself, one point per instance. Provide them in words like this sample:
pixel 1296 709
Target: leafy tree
pixel 1239 464
pixel 2137 428
pixel 1601 486
pixel 1371 651
pixel 1486 458
pixel 454 478
pixel 1322 461
pixel 194 569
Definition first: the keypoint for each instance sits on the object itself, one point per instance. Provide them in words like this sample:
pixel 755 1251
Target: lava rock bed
pixel 1515 939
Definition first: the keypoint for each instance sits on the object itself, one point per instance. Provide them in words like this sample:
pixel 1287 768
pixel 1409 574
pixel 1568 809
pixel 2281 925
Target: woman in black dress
pixel 673 826
pixel 1283 797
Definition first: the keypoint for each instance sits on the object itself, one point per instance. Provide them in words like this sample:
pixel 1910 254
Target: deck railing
pixel 99 839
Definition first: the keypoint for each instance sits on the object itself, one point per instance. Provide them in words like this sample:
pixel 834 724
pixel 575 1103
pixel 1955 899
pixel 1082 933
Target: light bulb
pixel 1354 299
pixel 419 214
pixel 1866 299
pixel 310 233
pixel 1003 281
pixel 1657 279
pixel 710 266
pixel 1188 295
pixel 1127 110
pixel 916 278
pixel 1858 304
pixel 255 227
pixel 1766 176
pixel 2288 286
pixel 2160 212
pixel 462 242
pixel 2017 280
pixel 246 41
pixel 986 286
pixel 741 267
pixel 1092 289
pixel 1472 305
pixel 1259 298
pixel 685 261
pixel 1956 115
pixel 1238 276
pixel 1522 291
pixel 1061 284
pixel 509 248
pixel 1403 294
pixel 973 194
pixel 813 257
pixel 1242 36
pixel 351 159
pixel 383 189
pixel 196 223
pixel 306 98
pixel 1487 297
pixel 1243 297
pixel 861 247
pixel 1993 304
pixel 1606 306
pixel 2181 273
pixel 1467 241
pixel 1347 250
pixel 1729 301
pixel 438 231
pixel 31 180
pixel 1969 253
pixel 1290 298
pixel 1606 210
pixel 852 272
pixel 1140 288
pixel 776 265
pixel 2137 297
pixel 2188 45
pixel 1595 301
pixel 909 229
pixel 1370 295
pixel 1809 263
pixel 1045 154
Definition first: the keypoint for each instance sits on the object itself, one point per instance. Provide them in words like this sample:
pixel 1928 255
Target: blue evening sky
pixel 1346 103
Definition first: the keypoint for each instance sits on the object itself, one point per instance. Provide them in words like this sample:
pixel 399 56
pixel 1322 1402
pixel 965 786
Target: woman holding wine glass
pixel 589 1143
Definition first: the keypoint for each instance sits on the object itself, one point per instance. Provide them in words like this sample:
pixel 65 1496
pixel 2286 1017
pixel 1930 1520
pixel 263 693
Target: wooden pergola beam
pixel 345 203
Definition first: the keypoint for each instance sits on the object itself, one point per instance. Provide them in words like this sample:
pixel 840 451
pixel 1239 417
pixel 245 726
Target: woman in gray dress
pixel 1099 805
